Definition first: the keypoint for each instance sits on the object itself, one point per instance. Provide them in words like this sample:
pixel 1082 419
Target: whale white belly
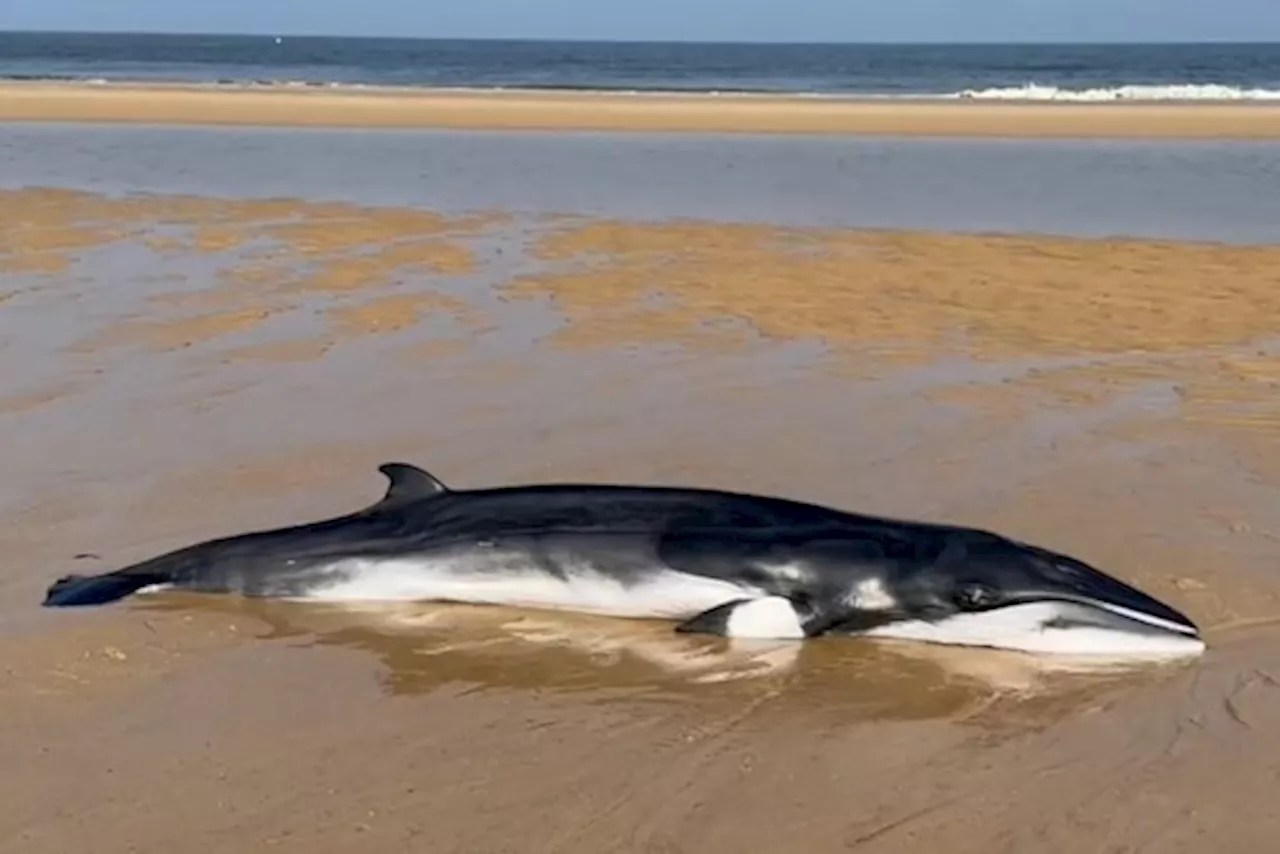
pixel 663 594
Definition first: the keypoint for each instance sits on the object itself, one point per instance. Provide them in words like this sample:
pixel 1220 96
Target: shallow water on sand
pixel 179 368
pixel 1228 191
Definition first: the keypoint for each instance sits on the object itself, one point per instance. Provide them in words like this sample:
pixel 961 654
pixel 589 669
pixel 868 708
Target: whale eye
pixel 974 597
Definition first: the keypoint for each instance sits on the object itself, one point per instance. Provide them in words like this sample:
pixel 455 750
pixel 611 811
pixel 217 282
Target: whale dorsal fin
pixel 407 483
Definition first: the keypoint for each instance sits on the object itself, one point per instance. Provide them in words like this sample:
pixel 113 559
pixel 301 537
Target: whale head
pixel 995 592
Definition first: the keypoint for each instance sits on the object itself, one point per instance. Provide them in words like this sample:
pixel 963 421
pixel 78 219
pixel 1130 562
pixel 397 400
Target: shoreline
pixel 557 110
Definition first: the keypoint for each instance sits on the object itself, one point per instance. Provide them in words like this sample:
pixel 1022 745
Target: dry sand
pixel 179 368
pixel 350 107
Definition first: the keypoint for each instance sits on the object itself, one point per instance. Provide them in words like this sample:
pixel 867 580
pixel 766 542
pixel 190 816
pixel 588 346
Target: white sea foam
pixel 1133 92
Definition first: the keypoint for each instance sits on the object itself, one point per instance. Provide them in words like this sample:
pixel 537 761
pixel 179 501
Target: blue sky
pixel 730 20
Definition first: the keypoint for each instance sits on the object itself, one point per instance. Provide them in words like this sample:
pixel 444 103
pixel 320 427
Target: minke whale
pixel 714 562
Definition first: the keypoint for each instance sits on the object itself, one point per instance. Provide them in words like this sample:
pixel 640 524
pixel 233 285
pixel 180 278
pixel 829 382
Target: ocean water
pixel 1226 191
pixel 1017 72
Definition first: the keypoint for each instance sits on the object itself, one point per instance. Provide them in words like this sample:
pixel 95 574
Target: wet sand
pixel 180 367
pixel 401 108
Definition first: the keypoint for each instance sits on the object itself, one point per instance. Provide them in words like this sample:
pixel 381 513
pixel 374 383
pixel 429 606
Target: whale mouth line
pixel 1186 629
pixel 1055 625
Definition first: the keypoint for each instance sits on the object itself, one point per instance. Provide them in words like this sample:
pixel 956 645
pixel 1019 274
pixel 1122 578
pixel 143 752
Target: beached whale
pixel 721 563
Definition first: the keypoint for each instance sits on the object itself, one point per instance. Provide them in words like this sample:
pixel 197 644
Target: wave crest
pixel 1132 92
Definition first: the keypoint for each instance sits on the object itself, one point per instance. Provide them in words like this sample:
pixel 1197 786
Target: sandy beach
pixel 407 108
pixel 183 365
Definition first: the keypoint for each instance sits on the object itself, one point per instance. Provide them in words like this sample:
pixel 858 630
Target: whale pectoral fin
pixel 766 617
pixel 407 483
pixel 780 617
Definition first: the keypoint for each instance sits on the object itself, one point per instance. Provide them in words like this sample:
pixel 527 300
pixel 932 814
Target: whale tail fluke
pixel 76 590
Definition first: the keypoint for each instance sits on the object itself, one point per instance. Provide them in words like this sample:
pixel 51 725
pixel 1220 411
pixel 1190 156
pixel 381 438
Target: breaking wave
pixel 1134 92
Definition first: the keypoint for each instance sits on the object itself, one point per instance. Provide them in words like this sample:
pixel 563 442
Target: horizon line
pixel 614 40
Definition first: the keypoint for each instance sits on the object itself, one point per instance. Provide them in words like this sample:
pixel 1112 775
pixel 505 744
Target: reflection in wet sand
pixel 428 647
